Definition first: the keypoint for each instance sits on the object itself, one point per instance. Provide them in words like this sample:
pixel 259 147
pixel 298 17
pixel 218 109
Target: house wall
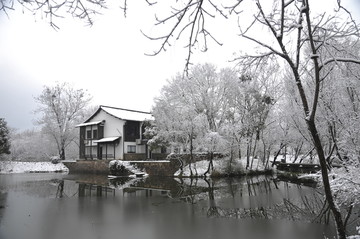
pixel 134 157
pixel 140 149
pixel 112 127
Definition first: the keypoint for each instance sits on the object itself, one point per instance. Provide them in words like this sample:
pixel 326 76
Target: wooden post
pixel 114 149
pixel 91 142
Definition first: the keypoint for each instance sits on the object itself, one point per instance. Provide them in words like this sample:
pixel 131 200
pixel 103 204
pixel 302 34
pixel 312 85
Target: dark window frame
pixel 95 134
pixel 88 134
pixel 132 131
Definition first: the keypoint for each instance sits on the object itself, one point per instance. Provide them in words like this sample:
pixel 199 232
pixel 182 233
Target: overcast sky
pixel 106 59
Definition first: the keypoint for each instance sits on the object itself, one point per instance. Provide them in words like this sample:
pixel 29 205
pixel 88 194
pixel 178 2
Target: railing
pixel 109 156
pixel 103 156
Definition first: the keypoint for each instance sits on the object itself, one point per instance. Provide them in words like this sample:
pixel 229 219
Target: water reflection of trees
pixel 297 203
pixel 253 198
pixel 3 198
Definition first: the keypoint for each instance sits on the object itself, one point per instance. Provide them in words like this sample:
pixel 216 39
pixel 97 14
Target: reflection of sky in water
pixel 240 209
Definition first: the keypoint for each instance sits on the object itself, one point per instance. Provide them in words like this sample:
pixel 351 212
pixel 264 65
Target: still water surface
pixel 58 206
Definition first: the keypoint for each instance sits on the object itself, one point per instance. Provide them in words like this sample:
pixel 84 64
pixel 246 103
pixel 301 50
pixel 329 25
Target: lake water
pixel 58 206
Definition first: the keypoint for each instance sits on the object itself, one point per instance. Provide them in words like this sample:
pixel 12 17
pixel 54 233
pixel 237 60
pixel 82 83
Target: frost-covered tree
pixel 4 137
pixel 177 123
pixel 339 107
pixel 250 99
pixel 209 105
pixel 61 108
pixel 292 35
pixel 191 107
pixel 299 40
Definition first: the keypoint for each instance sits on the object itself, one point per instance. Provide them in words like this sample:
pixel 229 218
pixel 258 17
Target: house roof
pixel 124 114
pixel 88 124
pixel 106 140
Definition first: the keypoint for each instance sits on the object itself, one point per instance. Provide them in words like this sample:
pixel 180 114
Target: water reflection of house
pixel 115 133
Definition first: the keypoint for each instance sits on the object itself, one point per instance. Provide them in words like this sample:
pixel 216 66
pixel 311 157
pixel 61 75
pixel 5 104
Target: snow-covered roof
pixel 120 113
pixel 126 114
pixel 108 139
pixel 88 124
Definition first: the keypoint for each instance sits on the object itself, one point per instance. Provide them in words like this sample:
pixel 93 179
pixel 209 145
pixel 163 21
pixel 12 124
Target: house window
pixel 95 134
pixel 88 134
pixel 132 131
pixel 131 148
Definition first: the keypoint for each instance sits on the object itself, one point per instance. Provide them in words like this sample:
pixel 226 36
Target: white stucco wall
pixel 113 127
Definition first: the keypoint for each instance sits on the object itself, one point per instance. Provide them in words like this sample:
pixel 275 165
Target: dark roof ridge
pixel 117 108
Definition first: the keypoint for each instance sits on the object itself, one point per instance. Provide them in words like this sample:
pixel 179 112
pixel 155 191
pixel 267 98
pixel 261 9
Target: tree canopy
pixel 214 110
pixel 61 108
pixel 4 137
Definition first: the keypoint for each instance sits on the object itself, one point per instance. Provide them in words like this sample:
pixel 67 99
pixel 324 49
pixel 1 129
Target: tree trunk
pixel 248 152
pixel 325 177
pixel 282 145
pixel 210 166
pixel 239 149
pixel 191 155
pixel 62 152
pixel 231 155
pixel 254 150
pixel 297 151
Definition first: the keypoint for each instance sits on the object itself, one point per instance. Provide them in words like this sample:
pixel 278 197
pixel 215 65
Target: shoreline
pixel 12 167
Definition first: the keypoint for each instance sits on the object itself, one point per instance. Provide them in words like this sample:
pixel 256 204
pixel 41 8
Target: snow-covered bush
pixel 55 159
pixel 122 168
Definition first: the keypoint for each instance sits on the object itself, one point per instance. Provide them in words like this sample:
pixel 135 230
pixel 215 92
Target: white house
pixel 116 133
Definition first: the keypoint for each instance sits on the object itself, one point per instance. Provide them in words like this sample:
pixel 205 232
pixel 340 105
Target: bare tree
pixel 61 107
pixel 52 9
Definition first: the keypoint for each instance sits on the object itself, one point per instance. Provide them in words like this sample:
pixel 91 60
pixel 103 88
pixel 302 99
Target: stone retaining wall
pixel 158 168
pixel 89 166
pixel 153 168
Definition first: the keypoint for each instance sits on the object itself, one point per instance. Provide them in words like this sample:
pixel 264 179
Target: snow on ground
pixel 31 167
pixel 355 236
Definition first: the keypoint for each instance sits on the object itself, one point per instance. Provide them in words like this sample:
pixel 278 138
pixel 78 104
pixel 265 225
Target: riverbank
pixel 222 168
pixel 7 167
